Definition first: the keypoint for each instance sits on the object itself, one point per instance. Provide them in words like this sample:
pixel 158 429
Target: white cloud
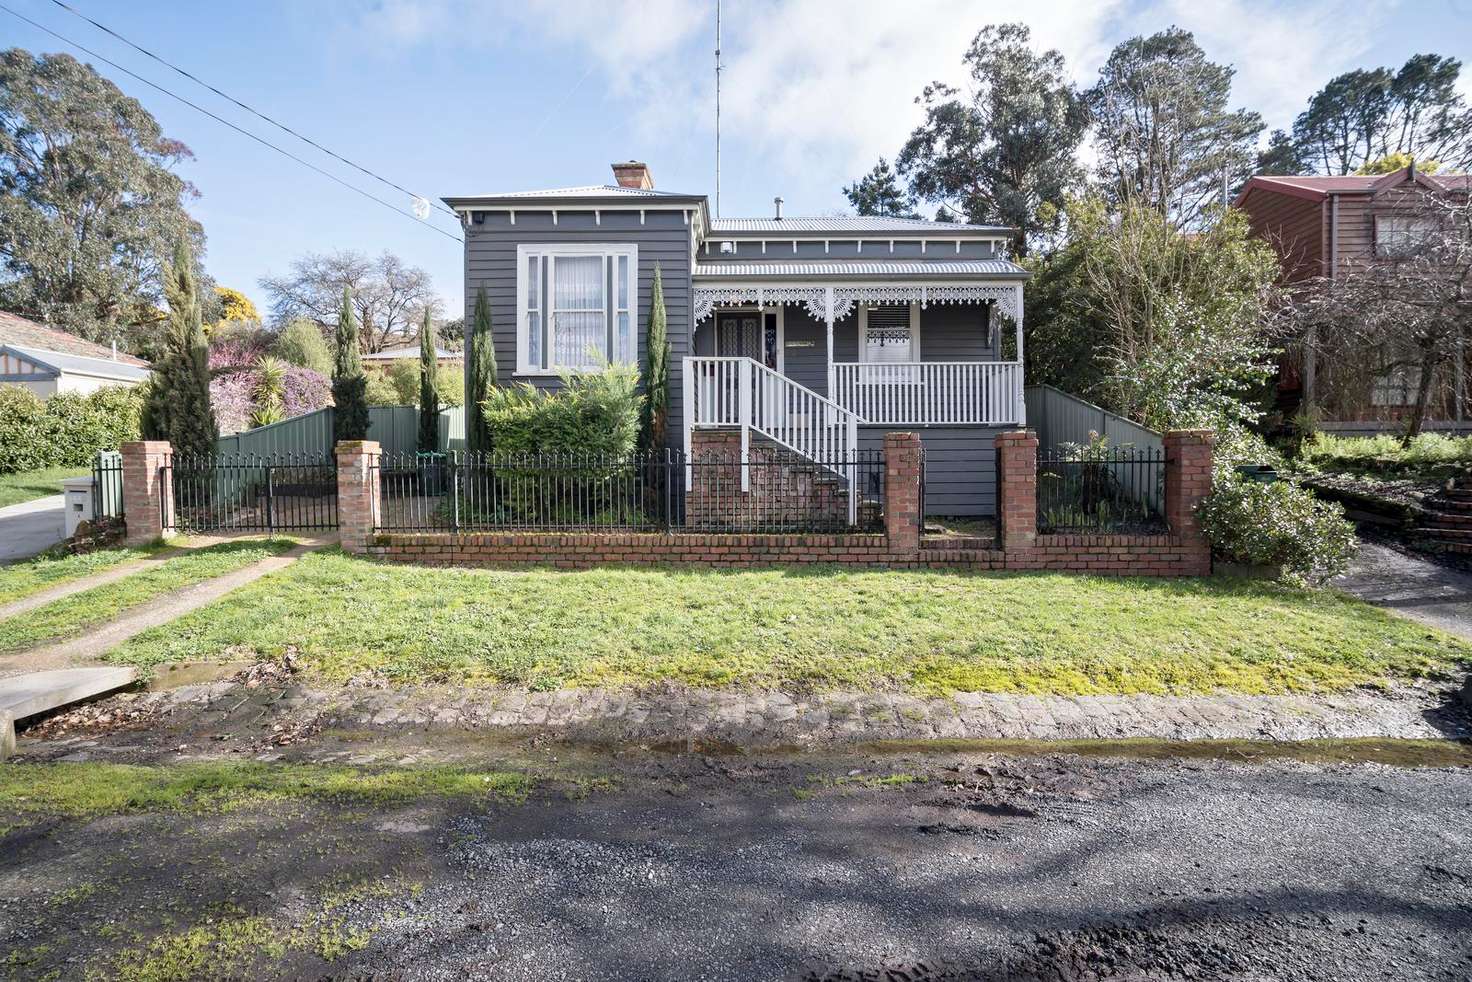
pixel 817 85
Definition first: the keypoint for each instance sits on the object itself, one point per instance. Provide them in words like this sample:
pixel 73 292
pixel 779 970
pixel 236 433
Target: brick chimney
pixel 633 174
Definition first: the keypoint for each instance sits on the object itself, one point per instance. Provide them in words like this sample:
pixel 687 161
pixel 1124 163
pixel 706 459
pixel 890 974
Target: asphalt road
pixel 787 867
pixel 31 527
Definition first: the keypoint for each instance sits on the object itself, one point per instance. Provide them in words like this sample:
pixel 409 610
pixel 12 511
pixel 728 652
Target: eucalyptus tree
pixel 1164 132
pixel 90 206
pixel 1001 151
pixel 1368 114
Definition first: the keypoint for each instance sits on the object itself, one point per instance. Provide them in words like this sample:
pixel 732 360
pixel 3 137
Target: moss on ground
pixel 928 632
pixel 84 790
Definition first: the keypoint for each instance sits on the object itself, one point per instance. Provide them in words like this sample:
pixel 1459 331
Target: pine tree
pixel 655 414
pixel 429 393
pixel 178 405
pixel 349 384
pixel 480 375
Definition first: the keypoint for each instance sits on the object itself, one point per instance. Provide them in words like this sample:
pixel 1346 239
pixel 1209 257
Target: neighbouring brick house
pixel 1327 227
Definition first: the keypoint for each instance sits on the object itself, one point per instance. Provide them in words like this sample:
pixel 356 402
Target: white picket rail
pixel 917 393
pixel 744 393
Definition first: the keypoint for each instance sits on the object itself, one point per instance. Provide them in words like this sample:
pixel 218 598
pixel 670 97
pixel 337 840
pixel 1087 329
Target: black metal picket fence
pixel 1101 490
pixel 661 491
pixel 243 493
pixel 107 485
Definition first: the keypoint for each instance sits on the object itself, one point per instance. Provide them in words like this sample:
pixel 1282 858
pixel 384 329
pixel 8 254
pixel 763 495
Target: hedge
pixel 65 430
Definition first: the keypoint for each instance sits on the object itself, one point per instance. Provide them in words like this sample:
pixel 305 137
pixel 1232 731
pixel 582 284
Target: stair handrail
pixel 841 422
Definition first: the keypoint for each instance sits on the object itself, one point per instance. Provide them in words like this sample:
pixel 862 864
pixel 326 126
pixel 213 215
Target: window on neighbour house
pixel 576 307
pixel 1400 236
pixel 1396 388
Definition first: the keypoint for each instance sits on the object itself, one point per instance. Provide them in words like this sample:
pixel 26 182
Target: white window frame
pixel 545 251
pixel 889 373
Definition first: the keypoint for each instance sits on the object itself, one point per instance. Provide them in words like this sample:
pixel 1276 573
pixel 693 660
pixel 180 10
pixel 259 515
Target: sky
pixel 453 97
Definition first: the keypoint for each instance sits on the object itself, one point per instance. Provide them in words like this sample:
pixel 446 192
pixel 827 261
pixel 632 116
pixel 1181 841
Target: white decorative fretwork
pixel 1004 296
pixel 708 298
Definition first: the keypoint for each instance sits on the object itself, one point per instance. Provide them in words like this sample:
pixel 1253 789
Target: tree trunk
pixel 1423 396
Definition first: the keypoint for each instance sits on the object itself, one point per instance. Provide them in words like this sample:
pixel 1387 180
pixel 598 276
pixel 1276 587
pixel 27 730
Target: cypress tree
pixel 178 408
pixel 654 416
pixel 349 384
pixel 480 372
pixel 429 393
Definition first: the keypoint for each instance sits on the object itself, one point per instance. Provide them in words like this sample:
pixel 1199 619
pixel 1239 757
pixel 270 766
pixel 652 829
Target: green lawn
pixel 931 632
pixel 48 570
pixel 29 485
pixel 70 614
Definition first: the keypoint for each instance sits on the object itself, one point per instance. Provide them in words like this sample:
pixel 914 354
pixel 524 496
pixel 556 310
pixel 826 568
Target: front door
pixel 747 334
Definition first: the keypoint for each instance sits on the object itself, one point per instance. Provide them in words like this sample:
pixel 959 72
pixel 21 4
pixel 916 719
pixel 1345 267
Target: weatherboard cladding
pixel 662 238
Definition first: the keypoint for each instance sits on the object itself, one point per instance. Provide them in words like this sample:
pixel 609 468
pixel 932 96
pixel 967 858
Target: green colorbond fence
pixel 396 428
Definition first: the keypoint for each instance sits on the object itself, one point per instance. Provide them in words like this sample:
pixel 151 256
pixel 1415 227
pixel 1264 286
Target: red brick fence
pixel 1182 551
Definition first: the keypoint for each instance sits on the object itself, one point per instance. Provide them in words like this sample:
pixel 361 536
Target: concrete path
pixel 88 647
pixel 31 527
pixel 1412 587
pixel 26 695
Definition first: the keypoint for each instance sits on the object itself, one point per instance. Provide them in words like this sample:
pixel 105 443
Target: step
pixel 1448 535
pixel 1445 520
pixel 1448 504
pixel 40 692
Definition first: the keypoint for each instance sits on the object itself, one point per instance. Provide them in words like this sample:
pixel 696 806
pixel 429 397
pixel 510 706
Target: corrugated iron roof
pixel 586 191
pixel 848 223
pixel 18 330
pixel 855 268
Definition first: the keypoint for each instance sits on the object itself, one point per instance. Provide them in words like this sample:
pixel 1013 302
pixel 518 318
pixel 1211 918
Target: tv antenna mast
pixel 718 108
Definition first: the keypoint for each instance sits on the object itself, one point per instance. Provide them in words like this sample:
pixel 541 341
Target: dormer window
pixel 576 308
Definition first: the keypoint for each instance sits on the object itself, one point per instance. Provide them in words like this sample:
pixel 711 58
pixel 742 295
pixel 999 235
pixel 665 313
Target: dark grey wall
pixel 960 466
pixel 663 238
pixel 948 332
pixel 750 250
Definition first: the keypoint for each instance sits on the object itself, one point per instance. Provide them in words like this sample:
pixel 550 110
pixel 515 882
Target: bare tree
pixel 389 296
pixel 1408 310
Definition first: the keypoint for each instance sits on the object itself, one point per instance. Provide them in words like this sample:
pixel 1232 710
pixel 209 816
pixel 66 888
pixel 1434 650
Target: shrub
pixel 594 413
pixel 1427 453
pixel 301 343
pixel 66 430
pixel 381 390
pixel 1278 524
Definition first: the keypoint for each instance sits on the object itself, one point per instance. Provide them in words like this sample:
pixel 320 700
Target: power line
pixel 254 112
pixel 225 122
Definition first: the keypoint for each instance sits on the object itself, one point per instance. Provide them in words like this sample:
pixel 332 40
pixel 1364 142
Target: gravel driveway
pixel 1411 586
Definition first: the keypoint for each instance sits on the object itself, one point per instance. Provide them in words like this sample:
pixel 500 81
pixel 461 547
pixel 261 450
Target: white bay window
pixel 576 307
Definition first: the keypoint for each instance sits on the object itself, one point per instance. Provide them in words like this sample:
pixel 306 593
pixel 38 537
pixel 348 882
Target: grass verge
pixel 928 632
pixel 79 611
pixel 52 569
pixel 30 485
pixel 87 790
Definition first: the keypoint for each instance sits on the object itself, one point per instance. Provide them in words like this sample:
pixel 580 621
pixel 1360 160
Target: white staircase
pixel 743 393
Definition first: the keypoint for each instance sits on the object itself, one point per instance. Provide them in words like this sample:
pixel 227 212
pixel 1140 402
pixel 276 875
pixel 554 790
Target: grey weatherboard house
pixel 817 334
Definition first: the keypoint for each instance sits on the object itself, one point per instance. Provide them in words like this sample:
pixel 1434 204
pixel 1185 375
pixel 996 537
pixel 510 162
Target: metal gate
pixel 228 493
